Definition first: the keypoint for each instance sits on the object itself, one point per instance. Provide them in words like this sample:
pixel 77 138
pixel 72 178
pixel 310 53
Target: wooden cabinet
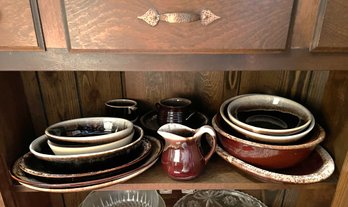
pixel 243 26
pixel 18 31
pixel 33 98
pixel 332 28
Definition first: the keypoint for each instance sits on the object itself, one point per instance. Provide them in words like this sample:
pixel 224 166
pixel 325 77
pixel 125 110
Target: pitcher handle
pixel 209 130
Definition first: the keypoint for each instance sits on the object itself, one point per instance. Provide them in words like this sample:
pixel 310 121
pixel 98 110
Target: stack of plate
pixel 272 138
pixel 87 165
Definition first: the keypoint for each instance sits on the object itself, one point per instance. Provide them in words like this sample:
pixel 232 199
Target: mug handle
pixel 209 130
pixel 132 108
pixel 157 106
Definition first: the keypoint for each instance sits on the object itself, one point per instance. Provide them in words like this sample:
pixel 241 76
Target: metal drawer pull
pixel 152 17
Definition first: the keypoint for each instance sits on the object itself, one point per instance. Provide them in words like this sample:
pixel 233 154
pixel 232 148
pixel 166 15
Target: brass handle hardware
pixel 152 17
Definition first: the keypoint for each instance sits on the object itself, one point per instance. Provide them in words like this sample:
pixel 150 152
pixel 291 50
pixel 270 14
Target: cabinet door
pixel 332 26
pixel 244 26
pixel 17 31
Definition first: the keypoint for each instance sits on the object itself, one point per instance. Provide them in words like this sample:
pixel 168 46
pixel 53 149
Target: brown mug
pixel 122 108
pixel 173 110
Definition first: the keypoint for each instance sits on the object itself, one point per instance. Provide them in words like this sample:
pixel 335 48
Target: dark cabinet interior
pixel 80 54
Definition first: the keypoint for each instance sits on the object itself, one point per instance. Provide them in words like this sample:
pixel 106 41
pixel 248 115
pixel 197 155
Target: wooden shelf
pixel 218 175
pixel 62 59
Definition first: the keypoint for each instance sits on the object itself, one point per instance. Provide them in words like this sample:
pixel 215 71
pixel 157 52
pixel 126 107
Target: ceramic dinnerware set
pixel 271 137
pixel 86 154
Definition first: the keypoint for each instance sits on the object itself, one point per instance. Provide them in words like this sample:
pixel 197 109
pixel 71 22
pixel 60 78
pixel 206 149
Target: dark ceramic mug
pixel 173 110
pixel 122 108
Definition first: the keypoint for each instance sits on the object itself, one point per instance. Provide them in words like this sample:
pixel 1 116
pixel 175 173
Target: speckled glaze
pixel 266 155
pixel 315 168
pixel 182 158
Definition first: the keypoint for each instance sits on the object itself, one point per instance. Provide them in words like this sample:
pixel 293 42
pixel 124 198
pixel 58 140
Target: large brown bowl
pixel 267 156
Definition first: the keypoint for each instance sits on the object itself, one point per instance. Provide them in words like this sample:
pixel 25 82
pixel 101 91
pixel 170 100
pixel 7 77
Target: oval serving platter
pixel 91 183
pixel 318 166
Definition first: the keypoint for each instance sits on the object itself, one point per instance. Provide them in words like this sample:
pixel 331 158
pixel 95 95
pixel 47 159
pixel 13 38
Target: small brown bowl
pixel 267 156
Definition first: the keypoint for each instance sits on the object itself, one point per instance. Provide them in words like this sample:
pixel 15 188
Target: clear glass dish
pixel 217 198
pixel 127 198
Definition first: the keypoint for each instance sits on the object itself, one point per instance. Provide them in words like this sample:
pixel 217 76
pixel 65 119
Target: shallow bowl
pixel 131 198
pixel 273 139
pixel 41 150
pixel 268 114
pixel 95 130
pixel 266 156
pixel 75 149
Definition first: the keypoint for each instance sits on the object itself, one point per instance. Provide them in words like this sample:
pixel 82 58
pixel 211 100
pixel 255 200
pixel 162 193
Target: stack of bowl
pixel 89 135
pixel 86 140
pixel 267 131
pixel 86 154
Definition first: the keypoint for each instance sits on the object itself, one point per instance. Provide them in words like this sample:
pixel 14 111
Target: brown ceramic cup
pixel 122 108
pixel 173 110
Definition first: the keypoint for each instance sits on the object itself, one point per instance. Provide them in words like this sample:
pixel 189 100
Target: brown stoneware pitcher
pixel 182 156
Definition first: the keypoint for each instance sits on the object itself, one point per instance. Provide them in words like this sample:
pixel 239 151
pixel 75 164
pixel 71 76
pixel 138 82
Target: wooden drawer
pixel 17 30
pixel 332 27
pixel 244 26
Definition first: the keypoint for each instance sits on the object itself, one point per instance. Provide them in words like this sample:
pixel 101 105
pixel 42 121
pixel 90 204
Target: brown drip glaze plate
pixel 149 121
pixel 318 166
pixel 88 183
pixel 40 168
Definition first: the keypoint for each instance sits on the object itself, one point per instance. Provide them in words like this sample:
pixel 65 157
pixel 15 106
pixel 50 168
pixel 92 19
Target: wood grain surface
pixel 60 96
pixel 304 23
pixel 113 25
pixel 334 115
pixel 34 100
pixel 340 198
pixel 331 32
pixel 52 23
pixel 15 135
pixel 95 88
pixel 17 31
pixel 205 89
pixel 61 59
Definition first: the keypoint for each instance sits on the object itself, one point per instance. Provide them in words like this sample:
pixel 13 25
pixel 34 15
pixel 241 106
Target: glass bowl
pixel 126 198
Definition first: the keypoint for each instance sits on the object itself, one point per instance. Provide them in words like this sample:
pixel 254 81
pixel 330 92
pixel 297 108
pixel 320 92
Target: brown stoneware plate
pixel 149 121
pixel 41 150
pixel 315 168
pixel 36 167
pixel 88 183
